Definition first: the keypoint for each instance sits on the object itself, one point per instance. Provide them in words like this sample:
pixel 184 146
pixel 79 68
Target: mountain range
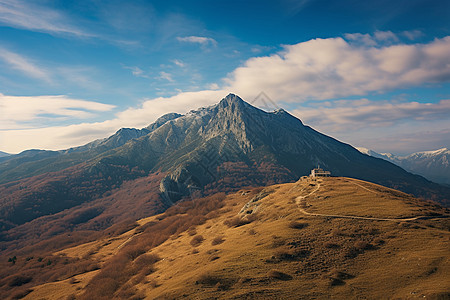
pixel 141 172
pixel 433 165
pixel 215 203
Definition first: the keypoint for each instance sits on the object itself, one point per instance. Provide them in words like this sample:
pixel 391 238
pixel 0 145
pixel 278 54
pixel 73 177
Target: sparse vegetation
pixel 275 274
pixel 191 231
pixel 331 245
pixel 362 245
pixel 240 221
pixel 287 254
pixel 208 279
pixel 157 259
pixel 217 240
pixel 336 277
pixel 297 225
pixel 21 294
pixel 197 240
pixel 19 280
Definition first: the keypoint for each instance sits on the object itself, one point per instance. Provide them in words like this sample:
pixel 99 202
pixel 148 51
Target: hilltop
pixel 140 172
pixel 330 237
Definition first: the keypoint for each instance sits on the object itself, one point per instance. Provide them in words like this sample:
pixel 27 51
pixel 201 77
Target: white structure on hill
pixel 319 172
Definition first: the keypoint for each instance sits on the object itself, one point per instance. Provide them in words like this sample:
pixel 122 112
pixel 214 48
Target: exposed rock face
pixel 235 131
pixel 178 184
pixel 162 120
pixel 219 148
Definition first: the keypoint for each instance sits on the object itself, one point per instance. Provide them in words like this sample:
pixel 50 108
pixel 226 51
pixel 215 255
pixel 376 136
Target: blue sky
pixel 370 73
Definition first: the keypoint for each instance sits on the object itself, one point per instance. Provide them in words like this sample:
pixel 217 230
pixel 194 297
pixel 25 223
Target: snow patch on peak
pixel 432 152
pixel 363 150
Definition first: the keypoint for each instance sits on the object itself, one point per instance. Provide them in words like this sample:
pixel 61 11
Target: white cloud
pixel 23 112
pixel 314 70
pixel 385 36
pixel 75 74
pixel 80 75
pixel 22 64
pixel 364 39
pixel 165 76
pixel 213 86
pixel 413 34
pixel 354 114
pixel 151 109
pixel 30 16
pixel 204 41
pixel 179 63
pixel 14 139
pixel 330 68
pixel 136 71
pixel 375 39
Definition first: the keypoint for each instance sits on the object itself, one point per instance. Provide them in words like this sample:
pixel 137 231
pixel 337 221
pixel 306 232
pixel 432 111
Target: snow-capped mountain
pixel 433 165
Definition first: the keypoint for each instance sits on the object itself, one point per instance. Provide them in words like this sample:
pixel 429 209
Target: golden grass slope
pixel 298 240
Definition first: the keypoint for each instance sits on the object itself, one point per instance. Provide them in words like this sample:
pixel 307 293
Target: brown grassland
pixel 261 243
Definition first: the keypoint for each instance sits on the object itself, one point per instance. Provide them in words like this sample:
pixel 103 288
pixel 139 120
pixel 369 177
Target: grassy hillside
pixel 332 237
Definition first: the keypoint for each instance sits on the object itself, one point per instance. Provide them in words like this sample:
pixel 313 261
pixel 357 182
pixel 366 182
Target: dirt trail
pixel 127 241
pixel 301 201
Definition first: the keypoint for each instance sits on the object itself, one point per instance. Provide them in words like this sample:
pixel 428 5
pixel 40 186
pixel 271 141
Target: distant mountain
pixel 4 156
pixel 219 148
pixel 433 165
pixel 35 162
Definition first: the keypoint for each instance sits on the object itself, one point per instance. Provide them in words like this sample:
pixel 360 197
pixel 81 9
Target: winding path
pixel 301 201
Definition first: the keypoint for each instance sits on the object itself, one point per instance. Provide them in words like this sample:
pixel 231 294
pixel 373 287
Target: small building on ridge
pixel 319 172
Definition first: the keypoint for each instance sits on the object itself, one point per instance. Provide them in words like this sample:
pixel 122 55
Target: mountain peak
pixel 162 120
pixel 233 101
pixel 433 152
pixel 232 98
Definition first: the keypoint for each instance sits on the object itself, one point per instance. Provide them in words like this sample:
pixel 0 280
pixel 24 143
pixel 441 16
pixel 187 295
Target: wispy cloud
pixel 413 34
pixel 165 76
pixel 136 71
pixel 293 7
pixel 363 39
pixel 61 137
pixel 179 63
pixel 22 112
pixel 385 36
pixel 213 86
pixel 24 65
pixel 82 76
pixel 31 16
pixel 204 41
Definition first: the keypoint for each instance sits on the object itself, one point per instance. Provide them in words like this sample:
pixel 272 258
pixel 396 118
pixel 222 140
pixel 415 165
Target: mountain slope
pixel 234 131
pixel 4 154
pixel 35 162
pixel 326 238
pixel 433 165
pixel 218 148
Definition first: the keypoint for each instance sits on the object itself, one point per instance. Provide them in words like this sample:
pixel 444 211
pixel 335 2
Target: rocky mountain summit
pixel 219 148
